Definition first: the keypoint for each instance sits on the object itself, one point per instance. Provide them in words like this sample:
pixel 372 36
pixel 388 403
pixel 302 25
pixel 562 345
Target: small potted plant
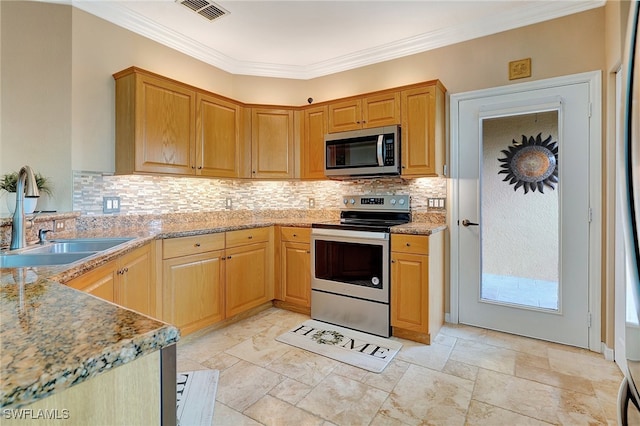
pixel 9 181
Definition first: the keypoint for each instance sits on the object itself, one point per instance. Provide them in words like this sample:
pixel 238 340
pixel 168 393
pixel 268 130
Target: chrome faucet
pixel 26 180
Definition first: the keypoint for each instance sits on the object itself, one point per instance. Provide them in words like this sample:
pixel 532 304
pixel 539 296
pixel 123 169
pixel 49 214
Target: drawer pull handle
pixel 228 257
pixel 250 236
pixel 197 244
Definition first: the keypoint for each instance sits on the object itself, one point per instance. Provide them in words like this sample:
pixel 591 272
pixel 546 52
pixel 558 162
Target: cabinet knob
pixel 228 257
pixel 199 167
pixel 193 167
pixel 408 245
pixel 197 244
pixel 250 236
pixel 393 261
pixel 308 252
pixel 295 235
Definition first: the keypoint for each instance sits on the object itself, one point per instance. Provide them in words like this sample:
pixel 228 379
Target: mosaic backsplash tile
pixel 141 194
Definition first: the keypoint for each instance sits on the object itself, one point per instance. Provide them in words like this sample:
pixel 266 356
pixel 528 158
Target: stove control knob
pixel 375 281
pixel 401 201
pixel 345 201
pixel 352 201
pixel 393 201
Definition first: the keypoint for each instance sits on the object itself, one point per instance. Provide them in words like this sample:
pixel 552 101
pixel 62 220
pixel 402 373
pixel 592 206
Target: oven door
pixel 350 263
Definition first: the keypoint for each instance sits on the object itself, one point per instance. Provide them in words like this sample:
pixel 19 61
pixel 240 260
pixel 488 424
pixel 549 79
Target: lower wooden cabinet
pixel 295 268
pixel 193 270
pixel 417 286
pixel 249 269
pixel 128 281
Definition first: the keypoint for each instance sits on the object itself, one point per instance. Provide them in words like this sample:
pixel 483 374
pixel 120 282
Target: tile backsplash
pixel 142 194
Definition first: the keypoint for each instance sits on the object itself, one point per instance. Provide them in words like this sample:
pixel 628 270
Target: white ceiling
pixel 303 39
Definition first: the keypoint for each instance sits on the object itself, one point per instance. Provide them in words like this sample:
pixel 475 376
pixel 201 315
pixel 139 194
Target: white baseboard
pixel 608 353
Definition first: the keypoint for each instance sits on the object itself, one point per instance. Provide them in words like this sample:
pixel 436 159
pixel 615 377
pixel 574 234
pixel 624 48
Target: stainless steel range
pixel 350 263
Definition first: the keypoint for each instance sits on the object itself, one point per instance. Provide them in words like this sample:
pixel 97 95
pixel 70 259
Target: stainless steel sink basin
pixel 58 252
pixel 78 245
pixel 40 259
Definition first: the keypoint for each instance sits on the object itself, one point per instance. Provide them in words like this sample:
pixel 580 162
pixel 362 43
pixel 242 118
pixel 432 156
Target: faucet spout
pixel 26 181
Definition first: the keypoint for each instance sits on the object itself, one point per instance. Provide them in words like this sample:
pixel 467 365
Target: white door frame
pixel 594 79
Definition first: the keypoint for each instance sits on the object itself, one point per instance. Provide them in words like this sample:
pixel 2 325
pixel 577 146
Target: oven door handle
pixel 380 158
pixel 348 234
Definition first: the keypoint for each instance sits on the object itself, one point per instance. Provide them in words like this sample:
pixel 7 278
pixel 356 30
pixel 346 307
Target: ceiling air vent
pixel 204 8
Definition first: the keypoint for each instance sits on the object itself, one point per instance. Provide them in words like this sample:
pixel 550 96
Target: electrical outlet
pixel 58 225
pixel 436 203
pixel 312 203
pixel 228 203
pixel 110 204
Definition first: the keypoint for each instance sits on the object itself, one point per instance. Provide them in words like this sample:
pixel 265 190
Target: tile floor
pixel 467 376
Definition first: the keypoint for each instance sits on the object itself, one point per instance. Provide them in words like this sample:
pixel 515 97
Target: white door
pixel 524 212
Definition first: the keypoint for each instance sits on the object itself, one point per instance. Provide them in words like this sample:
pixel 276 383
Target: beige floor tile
pixel 460 369
pixel 206 346
pixel 290 391
pixel 185 364
pixel 517 343
pixel 350 371
pixel 285 319
pixel 464 332
pixel 221 361
pixel 553 378
pixel 303 366
pixel 482 414
pixel 261 348
pixel 227 416
pixel 425 396
pixel 484 356
pixel 389 377
pixel 525 359
pixel 344 401
pixel 243 384
pixel 589 365
pixel 274 412
pixel 537 400
pixel 432 356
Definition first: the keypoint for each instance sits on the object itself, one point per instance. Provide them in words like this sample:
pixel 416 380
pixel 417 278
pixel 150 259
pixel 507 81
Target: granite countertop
pixel 53 337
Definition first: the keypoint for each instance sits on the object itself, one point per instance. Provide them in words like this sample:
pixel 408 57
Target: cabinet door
pixel 345 115
pixel 410 292
pixel 165 127
pixel 136 284
pixel 218 137
pixel 247 278
pixel 193 290
pixel 272 143
pixel 296 273
pixel 100 282
pixel 312 155
pixel 381 110
pixel 419 143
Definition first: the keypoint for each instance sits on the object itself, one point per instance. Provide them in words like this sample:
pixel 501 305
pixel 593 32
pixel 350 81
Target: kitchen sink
pixel 58 252
pixel 78 245
pixel 40 259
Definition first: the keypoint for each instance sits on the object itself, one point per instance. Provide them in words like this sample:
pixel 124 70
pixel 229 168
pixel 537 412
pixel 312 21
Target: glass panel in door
pixel 519 210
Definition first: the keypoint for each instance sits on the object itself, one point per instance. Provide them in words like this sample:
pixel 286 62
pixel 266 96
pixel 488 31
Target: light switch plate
pixel 110 204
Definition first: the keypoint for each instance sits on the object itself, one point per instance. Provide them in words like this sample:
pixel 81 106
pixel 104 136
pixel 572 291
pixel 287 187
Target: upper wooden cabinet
pixel 272 143
pixel 155 124
pixel 423 130
pixel 218 144
pixel 312 147
pixel 363 113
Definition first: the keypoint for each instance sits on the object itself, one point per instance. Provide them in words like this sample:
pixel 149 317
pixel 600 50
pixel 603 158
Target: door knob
pixel 466 222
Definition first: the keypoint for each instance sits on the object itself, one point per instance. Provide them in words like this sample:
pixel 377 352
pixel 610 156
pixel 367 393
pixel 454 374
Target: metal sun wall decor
pixel 531 164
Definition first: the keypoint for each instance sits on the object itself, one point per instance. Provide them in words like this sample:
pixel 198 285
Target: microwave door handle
pixel 380 159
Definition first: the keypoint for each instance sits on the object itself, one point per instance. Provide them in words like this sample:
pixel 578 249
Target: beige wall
pixel 36 94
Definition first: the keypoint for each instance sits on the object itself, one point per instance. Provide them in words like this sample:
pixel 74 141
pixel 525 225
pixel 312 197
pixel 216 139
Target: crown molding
pixel 536 12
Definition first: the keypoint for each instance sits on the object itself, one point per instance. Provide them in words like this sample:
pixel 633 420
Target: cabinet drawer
pixel 247 236
pixel 182 246
pixel 300 235
pixel 404 243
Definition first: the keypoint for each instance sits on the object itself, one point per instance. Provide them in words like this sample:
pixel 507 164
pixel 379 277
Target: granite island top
pixel 53 337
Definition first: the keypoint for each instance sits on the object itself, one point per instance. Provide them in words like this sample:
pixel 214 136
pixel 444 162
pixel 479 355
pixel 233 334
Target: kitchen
pixel 80 53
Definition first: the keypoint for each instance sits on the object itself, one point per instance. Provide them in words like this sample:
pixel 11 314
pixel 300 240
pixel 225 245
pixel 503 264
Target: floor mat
pixel 359 349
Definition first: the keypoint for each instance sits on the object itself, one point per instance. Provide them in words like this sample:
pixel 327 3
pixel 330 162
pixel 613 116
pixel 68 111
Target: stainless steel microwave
pixel 366 152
